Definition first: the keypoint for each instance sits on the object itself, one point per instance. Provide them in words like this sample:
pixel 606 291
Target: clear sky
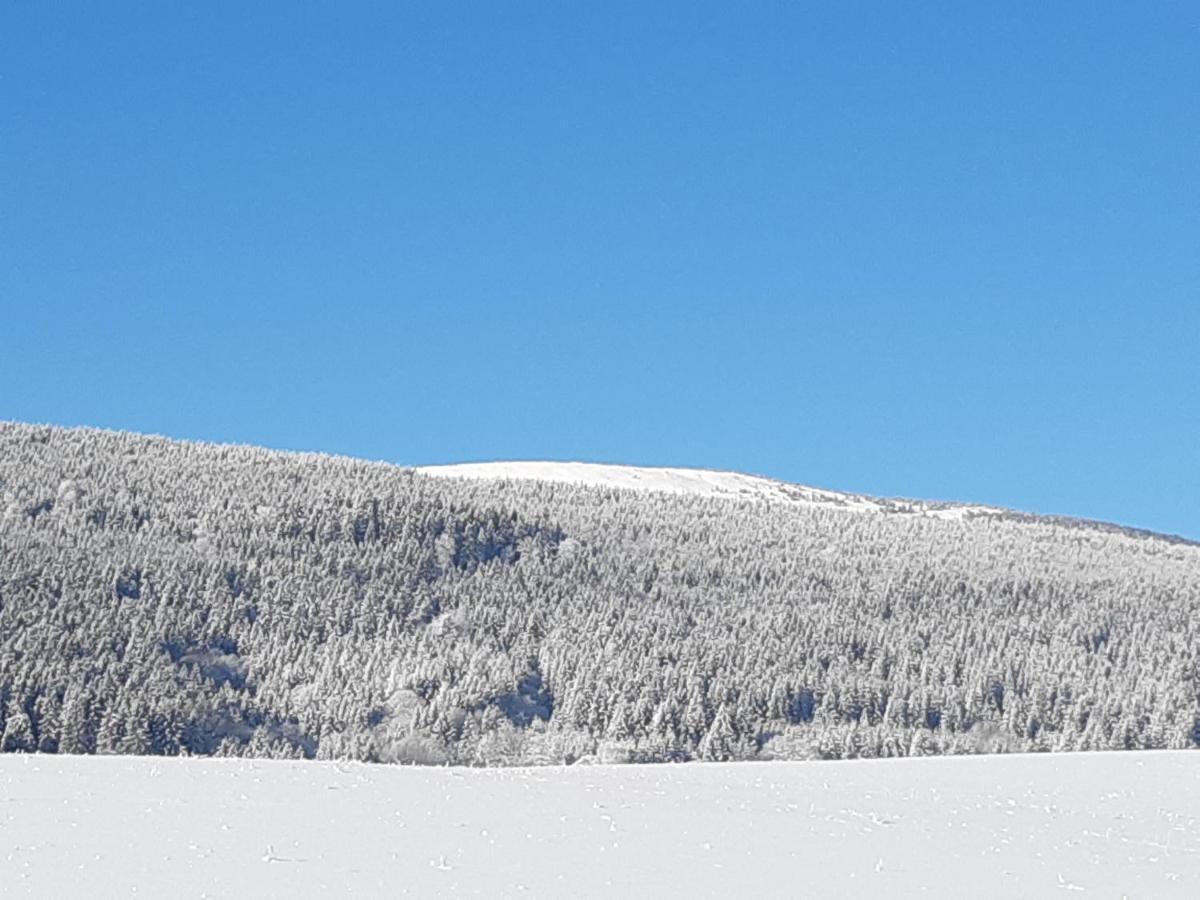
pixel 936 250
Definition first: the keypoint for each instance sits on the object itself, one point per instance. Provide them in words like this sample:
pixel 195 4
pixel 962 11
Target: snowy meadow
pixel 1045 825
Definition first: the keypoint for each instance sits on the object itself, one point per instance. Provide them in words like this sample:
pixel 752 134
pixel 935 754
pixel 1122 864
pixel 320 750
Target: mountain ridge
pixel 753 486
pixel 747 486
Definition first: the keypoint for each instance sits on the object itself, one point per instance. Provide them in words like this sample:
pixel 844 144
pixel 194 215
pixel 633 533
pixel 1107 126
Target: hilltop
pixel 696 483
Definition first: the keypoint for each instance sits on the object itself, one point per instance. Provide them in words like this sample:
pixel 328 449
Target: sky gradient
pixel 924 251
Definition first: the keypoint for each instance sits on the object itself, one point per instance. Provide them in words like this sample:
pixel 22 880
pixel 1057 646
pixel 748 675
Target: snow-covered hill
pixel 1100 824
pixel 698 482
pixel 165 597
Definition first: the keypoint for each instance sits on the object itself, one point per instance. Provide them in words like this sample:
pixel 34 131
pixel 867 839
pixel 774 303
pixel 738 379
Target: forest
pixel 167 597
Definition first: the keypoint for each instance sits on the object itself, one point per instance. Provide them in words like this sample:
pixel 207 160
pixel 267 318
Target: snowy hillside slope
pixel 163 597
pixel 696 482
pixel 1101 824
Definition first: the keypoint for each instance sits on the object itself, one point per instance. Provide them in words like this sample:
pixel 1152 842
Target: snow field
pixel 1089 825
pixel 696 482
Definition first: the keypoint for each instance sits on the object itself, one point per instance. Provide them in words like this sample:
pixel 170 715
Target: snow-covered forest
pixel 161 597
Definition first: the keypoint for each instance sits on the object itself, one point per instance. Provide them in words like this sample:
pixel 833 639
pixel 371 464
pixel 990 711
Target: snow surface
pixel 700 482
pixel 675 481
pixel 1097 824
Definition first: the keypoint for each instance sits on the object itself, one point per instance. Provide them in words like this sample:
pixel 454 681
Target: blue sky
pixel 932 250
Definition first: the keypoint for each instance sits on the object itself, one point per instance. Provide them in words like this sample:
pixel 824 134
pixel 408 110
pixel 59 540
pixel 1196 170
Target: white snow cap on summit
pixel 697 482
pixel 704 482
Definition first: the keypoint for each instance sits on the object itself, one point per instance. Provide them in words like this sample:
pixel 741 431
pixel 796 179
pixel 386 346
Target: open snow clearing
pixel 697 482
pixel 1037 825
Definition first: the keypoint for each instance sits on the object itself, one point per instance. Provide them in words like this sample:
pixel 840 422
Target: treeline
pixel 165 598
